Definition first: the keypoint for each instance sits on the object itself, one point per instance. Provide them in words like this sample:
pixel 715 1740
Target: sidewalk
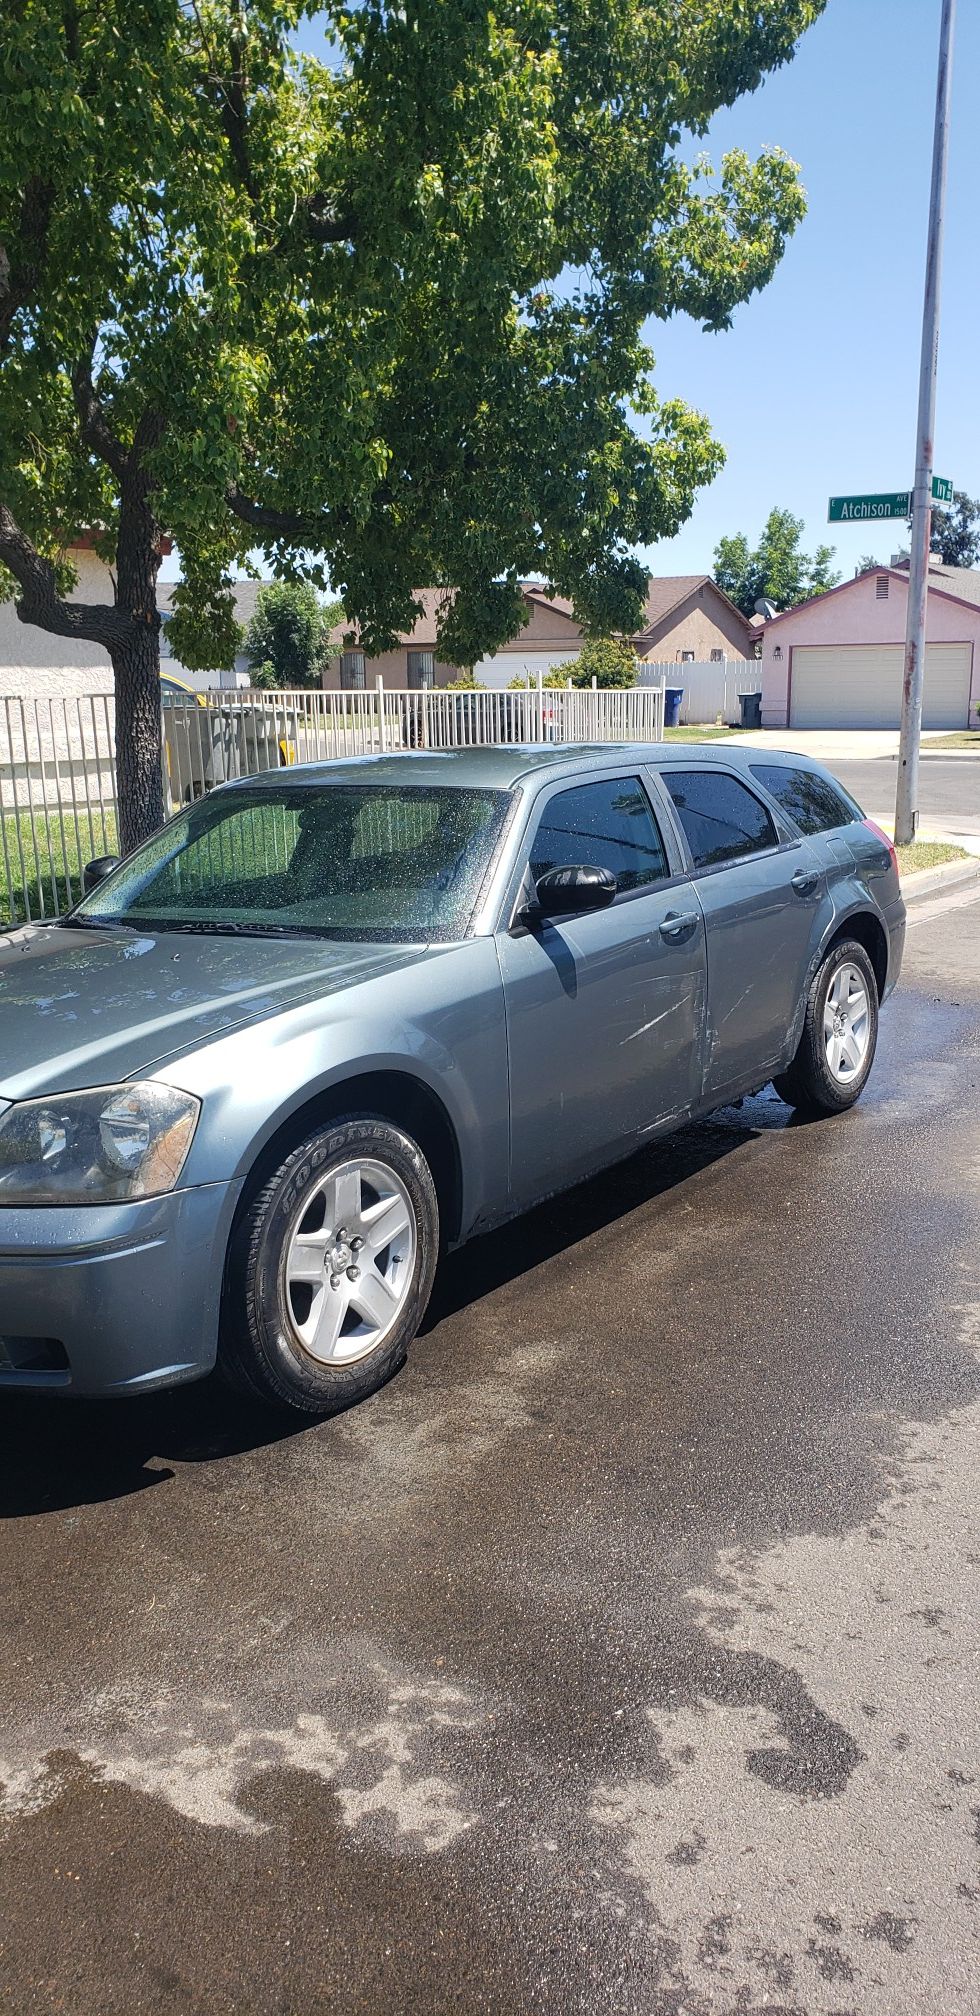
pixel 830 745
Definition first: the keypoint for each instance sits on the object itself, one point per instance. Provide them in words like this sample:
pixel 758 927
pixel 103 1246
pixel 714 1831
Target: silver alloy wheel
pixel 847 1023
pixel 348 1262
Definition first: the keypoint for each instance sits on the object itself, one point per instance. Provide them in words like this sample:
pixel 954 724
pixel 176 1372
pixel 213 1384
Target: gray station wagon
pixel 335 1019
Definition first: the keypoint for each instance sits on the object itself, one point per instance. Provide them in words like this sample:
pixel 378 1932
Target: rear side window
pixel 814 804
pixel 722 819
pixel 608 824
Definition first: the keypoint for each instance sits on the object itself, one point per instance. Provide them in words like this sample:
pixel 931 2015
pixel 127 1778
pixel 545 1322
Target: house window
pixel 717 657
pixel 686 657
pixel 881 588
pixel 421 669
pixel 352 675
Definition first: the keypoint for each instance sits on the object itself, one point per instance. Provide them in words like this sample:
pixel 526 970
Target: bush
pixel 610 661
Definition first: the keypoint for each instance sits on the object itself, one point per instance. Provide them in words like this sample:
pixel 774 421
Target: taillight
pixel 873 827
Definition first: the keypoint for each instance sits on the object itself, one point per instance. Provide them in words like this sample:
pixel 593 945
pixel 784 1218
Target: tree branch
pixel 96 432
pixel 323 223
pixel 265 518
pixel 39 601
pixel 20 265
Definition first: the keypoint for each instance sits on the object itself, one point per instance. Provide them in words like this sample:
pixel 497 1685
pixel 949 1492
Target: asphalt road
pixel 621 1656
pixel 949 790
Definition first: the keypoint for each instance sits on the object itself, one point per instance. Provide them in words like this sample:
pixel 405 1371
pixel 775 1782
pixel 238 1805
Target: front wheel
pixel 840 1030
pixel 332 1267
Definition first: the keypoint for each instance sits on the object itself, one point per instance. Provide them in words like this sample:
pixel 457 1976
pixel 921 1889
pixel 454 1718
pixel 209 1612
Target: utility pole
pixel 906 803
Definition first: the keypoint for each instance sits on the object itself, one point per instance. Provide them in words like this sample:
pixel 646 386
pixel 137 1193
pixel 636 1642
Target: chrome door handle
pixel 804 880
pixel 677 924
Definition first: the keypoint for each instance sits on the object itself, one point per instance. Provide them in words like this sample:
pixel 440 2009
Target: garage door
pixel 860 686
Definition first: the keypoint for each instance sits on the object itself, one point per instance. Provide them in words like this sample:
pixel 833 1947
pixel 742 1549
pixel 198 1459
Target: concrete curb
pixel 949 874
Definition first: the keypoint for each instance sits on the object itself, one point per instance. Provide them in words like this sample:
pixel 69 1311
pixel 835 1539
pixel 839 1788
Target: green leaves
pixel 776 570
pixel 288 636
pixel 388 309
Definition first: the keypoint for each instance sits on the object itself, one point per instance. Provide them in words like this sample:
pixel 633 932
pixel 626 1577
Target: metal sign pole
pixel 906 803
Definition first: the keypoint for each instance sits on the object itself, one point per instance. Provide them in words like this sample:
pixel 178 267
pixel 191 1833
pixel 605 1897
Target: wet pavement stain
pixel 678 1485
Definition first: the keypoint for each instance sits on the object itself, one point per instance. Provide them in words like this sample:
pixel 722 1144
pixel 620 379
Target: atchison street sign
pixel 883 504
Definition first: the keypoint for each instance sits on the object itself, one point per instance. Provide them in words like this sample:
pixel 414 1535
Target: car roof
pixel 502 766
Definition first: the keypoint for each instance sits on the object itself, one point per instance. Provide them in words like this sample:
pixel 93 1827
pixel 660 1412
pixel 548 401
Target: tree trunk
pixel 139 777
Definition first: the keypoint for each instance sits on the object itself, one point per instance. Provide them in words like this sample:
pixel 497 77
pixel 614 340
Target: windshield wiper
pixel 210 927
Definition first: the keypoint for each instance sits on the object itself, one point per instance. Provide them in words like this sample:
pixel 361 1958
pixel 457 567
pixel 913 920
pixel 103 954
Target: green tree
pixel 324 309
pixel 776 570
pixel 956 533
pixel 289 633
pixel 610 661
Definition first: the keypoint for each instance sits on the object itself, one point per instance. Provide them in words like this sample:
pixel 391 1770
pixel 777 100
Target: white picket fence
pixel 58 805
pixel 711 687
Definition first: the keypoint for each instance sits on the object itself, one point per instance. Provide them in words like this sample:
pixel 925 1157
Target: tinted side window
pixel 814 804
pixel 608 824
pixel 721 818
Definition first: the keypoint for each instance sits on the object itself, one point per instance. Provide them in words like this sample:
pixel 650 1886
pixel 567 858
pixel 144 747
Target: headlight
pixel 104 1147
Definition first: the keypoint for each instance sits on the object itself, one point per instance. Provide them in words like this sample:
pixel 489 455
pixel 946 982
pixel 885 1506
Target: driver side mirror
pixel 96 871
pixel 565 892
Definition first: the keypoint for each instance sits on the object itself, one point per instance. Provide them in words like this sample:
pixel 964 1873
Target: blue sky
pixel 813 391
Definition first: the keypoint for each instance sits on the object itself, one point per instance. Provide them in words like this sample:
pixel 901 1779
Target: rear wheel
pixel 332 1268
pixel 840 1030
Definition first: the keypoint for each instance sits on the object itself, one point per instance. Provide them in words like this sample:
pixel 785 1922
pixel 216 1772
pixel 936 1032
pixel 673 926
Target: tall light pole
pixel 906 803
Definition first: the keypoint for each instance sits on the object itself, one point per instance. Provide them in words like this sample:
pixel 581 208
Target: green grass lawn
pixel 696 734
pixel 32 859
pixel 961 738
pixel 927 854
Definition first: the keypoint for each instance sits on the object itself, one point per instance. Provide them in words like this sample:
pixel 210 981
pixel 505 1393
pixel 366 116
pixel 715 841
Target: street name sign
pixel 883 504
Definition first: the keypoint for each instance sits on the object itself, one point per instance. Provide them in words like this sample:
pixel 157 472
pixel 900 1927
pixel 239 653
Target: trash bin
pixel 672 706
pixel 751 706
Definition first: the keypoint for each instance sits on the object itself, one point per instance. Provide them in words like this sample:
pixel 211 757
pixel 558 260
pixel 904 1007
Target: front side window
pixel 322 861
pixel 722 819
pixel 608 824
pixel 814 804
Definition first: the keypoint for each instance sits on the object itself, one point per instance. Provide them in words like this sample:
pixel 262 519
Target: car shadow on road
pixel 57 1453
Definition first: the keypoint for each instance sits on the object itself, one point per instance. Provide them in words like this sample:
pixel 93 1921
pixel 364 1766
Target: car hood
pixel 82 1007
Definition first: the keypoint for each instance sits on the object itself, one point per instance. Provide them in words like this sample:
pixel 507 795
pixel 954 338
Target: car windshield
pixel 372 862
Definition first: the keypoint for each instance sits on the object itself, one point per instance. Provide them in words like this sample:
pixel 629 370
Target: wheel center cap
pixel 338 1260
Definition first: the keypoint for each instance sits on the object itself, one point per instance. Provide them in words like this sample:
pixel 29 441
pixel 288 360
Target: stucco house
pixel 34 665
pixel 687 617
pixel 837 662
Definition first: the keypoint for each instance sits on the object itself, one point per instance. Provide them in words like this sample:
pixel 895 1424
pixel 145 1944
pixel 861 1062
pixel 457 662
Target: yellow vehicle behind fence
pixel 217 734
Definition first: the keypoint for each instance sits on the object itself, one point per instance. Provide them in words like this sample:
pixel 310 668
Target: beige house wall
pixel 702 623
pixel 38 666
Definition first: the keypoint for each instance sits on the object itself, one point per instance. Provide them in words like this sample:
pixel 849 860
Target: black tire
pixel 260 1351
pixel 810 1085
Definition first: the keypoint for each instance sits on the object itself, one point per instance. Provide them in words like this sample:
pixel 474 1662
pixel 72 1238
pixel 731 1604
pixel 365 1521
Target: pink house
pixel 837 662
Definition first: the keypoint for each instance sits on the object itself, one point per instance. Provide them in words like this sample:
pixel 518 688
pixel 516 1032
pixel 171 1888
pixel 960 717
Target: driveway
pixel 620 1656
pixel 836 745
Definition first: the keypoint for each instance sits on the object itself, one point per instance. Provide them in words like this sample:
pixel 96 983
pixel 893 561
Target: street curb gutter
pixel 950 875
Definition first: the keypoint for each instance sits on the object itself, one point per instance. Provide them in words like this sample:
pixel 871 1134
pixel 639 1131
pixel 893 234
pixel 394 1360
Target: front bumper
pixel 119 1298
